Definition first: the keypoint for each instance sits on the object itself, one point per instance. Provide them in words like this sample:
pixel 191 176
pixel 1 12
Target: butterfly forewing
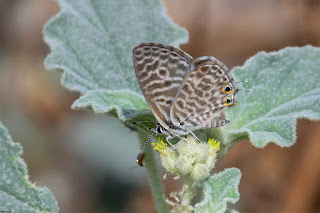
pixel 160 71
pixel 200 98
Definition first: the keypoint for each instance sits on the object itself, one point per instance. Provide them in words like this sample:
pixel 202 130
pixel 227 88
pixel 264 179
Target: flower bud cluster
pixel 188 158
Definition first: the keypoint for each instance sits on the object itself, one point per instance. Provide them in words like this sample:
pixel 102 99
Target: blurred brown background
pixel 86 164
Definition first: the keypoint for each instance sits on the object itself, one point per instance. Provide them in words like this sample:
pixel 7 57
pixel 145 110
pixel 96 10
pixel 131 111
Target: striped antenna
pixel 138 122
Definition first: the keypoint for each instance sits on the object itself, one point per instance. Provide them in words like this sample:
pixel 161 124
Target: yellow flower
pixel 213 145
pixel 160 146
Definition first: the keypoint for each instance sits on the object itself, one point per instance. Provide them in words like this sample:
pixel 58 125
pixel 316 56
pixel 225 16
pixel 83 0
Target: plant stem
pixel 153 177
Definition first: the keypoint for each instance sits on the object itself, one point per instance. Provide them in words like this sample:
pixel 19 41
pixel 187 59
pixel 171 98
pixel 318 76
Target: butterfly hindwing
pixel 201 97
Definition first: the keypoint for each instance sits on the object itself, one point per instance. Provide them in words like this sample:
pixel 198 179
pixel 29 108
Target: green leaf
pixel 218 190
pixel 92 42
pixel 17 193
pixel 285 86
pixel 126 104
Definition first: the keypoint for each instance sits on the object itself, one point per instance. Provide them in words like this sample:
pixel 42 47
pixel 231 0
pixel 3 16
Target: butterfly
pixel 183 94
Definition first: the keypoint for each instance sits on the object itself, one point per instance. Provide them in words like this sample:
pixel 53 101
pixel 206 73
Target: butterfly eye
pixel 227 89
pixel 227 101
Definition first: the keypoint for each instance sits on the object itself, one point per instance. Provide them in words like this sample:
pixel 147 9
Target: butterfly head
pixel 159 130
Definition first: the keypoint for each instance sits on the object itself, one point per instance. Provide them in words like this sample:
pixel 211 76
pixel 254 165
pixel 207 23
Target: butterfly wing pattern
pixel 183 94
pixel 160 71
pixel 202 97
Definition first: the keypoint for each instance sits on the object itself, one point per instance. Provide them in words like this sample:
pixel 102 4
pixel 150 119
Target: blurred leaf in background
pixel 17 193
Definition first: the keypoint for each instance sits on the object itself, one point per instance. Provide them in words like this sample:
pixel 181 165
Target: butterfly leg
pixel 194 135
pixel 181 138
pixel 169 137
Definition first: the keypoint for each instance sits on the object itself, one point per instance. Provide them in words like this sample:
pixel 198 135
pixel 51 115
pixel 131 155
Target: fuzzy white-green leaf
pixel 126 104
pixel 17 193
pixel 220 189
pixel 286 86
pixel 92 42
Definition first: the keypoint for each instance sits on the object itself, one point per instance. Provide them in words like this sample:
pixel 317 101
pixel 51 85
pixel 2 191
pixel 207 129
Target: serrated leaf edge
pixel 235 183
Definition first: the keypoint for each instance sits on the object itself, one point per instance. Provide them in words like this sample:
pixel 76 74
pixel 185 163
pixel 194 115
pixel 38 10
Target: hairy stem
pixel 153 177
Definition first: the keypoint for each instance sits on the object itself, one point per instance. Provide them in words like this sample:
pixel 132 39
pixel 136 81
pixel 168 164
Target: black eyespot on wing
pixel 227 101
pixel 227 88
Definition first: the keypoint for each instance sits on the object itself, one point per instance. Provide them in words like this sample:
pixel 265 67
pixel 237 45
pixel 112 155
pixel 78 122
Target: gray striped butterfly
pixel 183 94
